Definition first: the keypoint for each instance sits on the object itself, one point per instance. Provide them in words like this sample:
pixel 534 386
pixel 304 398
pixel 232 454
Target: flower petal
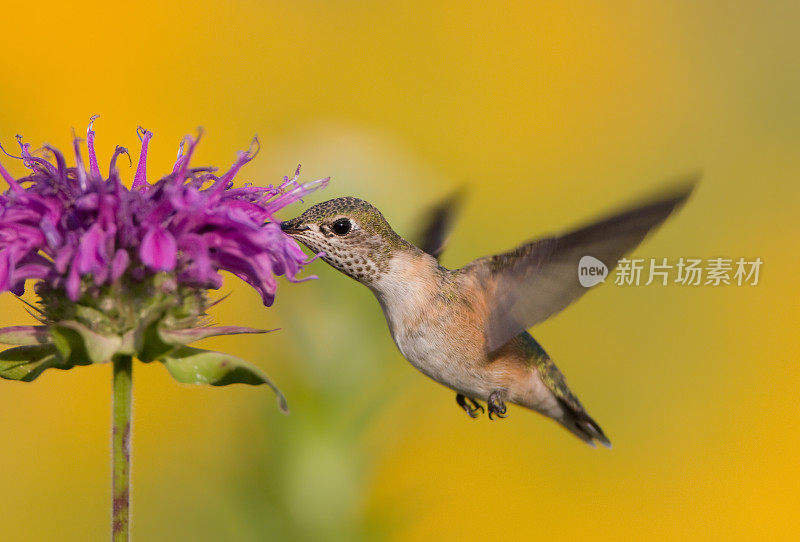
pixel 94 169
pixel 140 179
pixel 159 250
pixel 120 264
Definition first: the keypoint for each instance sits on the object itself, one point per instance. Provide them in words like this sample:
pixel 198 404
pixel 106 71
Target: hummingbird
pixel 467 328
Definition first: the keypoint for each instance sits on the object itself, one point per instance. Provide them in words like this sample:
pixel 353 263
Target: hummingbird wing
pixel 437 223
pixel 539 279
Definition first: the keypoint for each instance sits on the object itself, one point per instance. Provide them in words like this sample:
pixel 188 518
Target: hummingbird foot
pixel 473 410
pixel 496 405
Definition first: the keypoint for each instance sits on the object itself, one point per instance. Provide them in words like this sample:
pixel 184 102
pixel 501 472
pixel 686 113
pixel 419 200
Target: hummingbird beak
pixel 293 226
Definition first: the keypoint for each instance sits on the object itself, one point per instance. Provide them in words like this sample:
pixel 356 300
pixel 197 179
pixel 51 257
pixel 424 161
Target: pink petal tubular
pixel 94 170
pixel 244 157
pixel 141 169
pixel 10 180
pixel 119 264
pixel 159 250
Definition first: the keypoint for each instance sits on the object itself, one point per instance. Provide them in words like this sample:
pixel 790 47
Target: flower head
pixel 117 260
pixel 79 231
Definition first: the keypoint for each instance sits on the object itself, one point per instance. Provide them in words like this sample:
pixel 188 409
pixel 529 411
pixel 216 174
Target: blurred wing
pixel 539 279
pixel 437 223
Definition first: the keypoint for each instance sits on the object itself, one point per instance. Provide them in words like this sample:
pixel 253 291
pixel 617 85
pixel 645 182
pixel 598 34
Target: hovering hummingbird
pixel 467 328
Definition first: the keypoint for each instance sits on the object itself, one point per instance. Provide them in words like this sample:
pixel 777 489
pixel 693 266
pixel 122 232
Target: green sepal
pixel 196 366
pixel 127 345
pixel 25 363
pixel 147 341
pixel 25 335
pixel 79 345
pixel 185 336
pixel 149 346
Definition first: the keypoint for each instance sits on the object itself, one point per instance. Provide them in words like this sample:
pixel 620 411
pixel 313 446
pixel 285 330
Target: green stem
pixel 121 448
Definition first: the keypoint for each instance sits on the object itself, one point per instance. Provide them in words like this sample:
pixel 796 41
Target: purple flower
pixel 77 230
pixel 124 272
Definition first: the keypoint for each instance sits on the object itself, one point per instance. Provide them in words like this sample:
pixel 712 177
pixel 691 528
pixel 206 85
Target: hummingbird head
pixel 353 234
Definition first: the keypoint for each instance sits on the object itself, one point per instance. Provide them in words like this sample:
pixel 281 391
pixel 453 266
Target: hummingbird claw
pixel 473 409
pixel 496 405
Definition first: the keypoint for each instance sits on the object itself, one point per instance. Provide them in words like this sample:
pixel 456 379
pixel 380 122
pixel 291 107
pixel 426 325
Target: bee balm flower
pixel 125 270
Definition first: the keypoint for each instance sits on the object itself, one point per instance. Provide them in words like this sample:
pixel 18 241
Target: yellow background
pixel 551 113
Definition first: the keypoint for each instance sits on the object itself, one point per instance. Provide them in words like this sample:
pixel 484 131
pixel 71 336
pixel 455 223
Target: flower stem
pixel 121 448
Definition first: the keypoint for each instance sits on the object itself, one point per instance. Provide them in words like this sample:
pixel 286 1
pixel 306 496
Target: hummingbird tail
pixel 584 427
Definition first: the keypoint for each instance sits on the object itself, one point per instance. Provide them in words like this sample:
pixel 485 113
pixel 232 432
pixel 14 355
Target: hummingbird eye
pixel 341 226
